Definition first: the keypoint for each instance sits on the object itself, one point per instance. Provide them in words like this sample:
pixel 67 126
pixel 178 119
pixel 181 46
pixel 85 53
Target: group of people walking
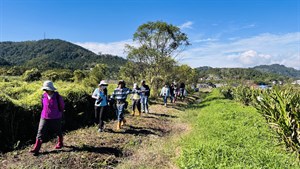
pixel 53 106
pixel 140 96
pixel 173 92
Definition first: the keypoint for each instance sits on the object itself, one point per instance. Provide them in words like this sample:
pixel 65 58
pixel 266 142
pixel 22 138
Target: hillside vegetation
pixel 258 74
pixel 53 53
pixel 279 69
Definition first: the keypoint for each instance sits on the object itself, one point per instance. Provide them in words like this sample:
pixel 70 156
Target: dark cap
pixel 121 82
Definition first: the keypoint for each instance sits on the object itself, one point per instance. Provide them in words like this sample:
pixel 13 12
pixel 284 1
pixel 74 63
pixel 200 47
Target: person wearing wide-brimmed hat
pixel 120 95
pixel 100 94
pixel 52 109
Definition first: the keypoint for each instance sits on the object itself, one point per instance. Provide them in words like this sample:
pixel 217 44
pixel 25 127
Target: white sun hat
pixel 103 83
pixel 48 85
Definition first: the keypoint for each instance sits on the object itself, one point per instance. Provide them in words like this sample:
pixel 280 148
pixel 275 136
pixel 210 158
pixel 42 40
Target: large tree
pixel 158 44
pixel 186 74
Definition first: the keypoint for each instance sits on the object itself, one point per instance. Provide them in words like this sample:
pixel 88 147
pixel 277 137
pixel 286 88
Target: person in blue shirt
pixel 100 94
pixel 120 95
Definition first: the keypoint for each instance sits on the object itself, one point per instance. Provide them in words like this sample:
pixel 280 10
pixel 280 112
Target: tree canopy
pixel 158 44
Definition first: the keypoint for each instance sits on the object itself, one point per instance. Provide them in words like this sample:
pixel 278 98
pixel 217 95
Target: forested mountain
pixel 217 74
pixel 3 62
pixel 279 69
pixel 53 53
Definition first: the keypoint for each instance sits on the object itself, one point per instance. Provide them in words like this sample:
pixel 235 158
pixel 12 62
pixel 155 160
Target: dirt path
pixel 144 142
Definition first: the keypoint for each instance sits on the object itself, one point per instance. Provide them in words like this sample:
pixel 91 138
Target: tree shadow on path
pixel 164 115
pixel 86 148
pixel 136 131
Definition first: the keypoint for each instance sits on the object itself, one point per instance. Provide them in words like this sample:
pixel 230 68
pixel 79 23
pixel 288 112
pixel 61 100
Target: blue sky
pixel 223 33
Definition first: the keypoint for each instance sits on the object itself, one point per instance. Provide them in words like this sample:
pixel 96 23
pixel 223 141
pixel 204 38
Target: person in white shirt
pixel 165 93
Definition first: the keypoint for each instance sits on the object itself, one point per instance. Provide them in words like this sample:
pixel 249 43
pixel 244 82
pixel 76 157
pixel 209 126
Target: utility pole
pixel 44 35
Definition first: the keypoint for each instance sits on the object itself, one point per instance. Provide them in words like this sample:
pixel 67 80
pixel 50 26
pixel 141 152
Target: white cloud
pixel 292 61
pixel 248 26
pixel 205 40
pixel 233 38
pixel 117 48
pixel 248 52
pixel 187 25
pixel 250 57
pixel 113 48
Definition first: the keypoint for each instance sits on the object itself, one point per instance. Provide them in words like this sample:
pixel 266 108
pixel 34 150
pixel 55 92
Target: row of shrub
pixel 89 77
pixel 279 105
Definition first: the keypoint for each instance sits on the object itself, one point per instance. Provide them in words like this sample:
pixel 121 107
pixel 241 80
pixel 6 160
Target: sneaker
pixel 100 130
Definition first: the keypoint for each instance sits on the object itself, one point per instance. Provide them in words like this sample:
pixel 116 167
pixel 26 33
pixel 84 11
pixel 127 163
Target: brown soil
pixel 139 144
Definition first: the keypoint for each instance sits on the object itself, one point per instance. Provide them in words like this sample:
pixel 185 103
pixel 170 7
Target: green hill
pixel 53 53
pixel 279 69
pixel 235 74
pixel 262 73
pixel 3 62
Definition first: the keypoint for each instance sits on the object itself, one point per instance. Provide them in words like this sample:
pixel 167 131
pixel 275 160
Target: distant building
pixel 274 82
pixel 296 82
pixel 263 86
pixel 202 85
pixel 220 84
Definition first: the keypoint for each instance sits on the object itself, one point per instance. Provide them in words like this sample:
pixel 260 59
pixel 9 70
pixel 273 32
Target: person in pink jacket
pixel 53 106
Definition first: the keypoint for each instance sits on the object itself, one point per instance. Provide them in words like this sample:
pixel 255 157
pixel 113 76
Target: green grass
pixel 226 134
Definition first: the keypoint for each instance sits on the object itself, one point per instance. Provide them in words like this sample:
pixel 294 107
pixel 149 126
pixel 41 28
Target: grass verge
pixel 226 134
